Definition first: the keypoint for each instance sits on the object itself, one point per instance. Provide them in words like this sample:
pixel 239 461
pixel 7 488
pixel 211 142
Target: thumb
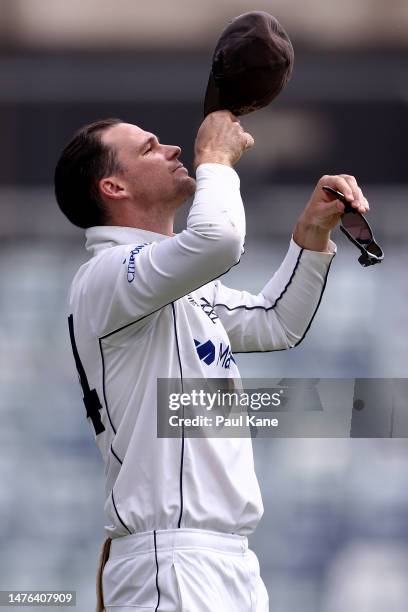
pixel 249 141
pixel 339 206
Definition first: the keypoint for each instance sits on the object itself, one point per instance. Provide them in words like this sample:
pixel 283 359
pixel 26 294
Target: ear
pixel 113 188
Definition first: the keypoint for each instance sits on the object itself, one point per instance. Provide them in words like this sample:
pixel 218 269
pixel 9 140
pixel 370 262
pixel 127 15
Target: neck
pixel 160 222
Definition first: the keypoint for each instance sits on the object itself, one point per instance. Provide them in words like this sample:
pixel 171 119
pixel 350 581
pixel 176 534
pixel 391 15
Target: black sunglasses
pixel 355 226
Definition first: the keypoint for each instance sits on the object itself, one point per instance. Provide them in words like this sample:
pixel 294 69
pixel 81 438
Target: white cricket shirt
pixel 141 308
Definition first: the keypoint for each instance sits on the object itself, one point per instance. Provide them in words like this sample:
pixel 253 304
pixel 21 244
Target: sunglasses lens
pixel 374 249
pixel 357 227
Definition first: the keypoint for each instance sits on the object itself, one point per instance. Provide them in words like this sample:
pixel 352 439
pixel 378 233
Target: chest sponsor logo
pixel 209 310
pixel 131 264
pixel 192 301
pixel 210 354
pixel 205 306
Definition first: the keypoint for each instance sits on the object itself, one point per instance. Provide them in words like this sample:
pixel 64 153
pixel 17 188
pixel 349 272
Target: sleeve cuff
pixel 332 248
pixel 216 170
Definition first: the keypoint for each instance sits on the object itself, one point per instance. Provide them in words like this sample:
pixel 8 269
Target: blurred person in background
pixel 147 305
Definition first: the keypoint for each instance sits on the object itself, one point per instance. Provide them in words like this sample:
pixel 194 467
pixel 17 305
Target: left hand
pixel 323 211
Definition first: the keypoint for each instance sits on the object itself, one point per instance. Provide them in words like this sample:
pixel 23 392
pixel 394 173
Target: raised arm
pixel 280 315
pixel 169 267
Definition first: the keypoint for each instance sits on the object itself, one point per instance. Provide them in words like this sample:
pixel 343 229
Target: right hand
pixel 221 139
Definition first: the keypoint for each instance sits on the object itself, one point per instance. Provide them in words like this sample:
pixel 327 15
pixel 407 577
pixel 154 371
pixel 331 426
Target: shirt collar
pixel 101 237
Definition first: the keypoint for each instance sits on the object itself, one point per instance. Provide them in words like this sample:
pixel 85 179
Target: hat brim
pixel 212 101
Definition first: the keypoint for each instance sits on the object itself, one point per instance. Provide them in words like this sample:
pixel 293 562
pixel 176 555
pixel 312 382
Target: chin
pixel 192 185
pixel 187 187
pixel 182 190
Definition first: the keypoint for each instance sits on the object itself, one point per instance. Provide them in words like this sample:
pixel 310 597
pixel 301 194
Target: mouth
pixel 179 167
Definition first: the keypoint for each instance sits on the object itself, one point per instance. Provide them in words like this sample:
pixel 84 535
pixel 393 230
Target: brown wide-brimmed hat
pixel 252 62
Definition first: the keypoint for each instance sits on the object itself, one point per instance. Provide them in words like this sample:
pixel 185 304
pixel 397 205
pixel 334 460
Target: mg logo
pixel 206 353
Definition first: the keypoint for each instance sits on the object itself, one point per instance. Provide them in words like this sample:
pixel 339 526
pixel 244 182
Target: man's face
pixel 151 171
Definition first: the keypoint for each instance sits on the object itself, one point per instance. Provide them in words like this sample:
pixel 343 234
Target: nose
pixel 173 151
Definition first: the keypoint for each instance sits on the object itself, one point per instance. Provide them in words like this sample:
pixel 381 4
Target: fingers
pixel 360 202
pixel 347 184
pixel 222 115
pixel 221 139
pixel 245 138
pixel 339 183
pixel 249 140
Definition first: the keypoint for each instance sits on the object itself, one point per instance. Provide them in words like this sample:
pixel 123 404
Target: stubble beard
pixel 186 190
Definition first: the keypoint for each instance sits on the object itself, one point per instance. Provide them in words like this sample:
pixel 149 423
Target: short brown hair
pixel 83 162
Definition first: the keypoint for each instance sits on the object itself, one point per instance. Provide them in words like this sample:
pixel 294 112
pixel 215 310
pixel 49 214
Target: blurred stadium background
pixel 334 536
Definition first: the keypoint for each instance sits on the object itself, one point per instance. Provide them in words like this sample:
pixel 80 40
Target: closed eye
pixel 149 143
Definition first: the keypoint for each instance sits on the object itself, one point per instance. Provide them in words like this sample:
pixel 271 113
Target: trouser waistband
pixel 178 538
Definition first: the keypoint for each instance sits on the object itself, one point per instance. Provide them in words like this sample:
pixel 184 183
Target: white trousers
pixel 183 570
